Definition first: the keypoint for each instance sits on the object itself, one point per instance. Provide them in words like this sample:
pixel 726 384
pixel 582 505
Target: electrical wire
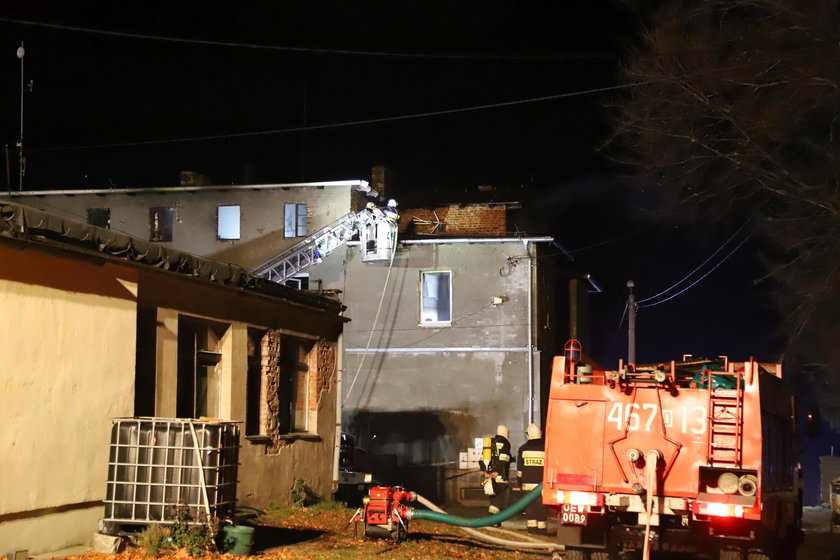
pixel 690 274
pixel 344 124
pixel 701 278
pixel 375 318
pixel 304 50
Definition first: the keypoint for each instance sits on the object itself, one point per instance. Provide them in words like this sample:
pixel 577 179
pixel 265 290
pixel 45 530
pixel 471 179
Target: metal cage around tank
pixel 162 468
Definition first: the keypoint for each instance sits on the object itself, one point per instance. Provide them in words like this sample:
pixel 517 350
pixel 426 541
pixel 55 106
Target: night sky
pixel 280 65
pixel 106 106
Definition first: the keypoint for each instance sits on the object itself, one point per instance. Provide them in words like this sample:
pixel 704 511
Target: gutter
pixel 473 240
pixel 358 183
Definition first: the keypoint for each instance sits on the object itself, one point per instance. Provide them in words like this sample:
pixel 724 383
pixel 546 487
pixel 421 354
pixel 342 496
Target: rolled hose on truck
pixel 438 515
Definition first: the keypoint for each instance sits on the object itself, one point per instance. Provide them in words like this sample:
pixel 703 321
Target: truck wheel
pixel 755 554
pixel 730 554
pixel 574 554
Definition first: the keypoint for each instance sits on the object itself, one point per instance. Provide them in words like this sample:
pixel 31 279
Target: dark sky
pixel 325 64
pixel 107 89
pixel 325 67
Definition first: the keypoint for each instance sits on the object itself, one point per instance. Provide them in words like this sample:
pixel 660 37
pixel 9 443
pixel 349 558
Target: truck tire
pixel 756 554
pixel 730 554
pixel 574 554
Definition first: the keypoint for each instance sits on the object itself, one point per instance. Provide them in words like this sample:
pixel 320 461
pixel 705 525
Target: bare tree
pixel 736 114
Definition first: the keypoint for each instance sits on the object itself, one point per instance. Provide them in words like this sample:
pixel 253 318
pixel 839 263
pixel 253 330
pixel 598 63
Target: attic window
pixel 160 223
pixel 295 220
pixel 228 222
pixel 99 217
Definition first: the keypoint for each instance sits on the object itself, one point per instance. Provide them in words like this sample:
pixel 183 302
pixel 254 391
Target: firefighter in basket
pixel 495 462
pixel 530 461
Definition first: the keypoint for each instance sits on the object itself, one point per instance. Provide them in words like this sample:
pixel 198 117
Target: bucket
pixel 237 539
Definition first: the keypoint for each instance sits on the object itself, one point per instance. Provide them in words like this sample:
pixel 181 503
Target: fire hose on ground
pixel 438 515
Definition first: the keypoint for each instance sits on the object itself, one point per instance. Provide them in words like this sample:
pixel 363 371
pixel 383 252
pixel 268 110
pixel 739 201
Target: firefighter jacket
pixel 500 461
pixel 531 460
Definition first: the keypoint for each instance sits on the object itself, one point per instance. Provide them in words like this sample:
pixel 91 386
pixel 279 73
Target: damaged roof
pixel 24 224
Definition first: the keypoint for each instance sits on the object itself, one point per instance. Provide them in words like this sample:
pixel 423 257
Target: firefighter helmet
pixel 502 430
pixel 392 202
pixel 533 431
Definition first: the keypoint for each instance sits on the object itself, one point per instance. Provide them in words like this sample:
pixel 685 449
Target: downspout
pixel 529 248
pixel 339 388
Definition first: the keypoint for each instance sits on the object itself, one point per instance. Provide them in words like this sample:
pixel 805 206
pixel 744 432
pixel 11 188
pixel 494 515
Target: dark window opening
pixel 160 223
pixel 199 372
pixel 99 217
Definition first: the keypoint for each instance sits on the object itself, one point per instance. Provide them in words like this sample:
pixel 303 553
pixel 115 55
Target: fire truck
pixel 694 456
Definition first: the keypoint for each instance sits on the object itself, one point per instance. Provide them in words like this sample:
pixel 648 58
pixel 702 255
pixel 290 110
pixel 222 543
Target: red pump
pixel 385 513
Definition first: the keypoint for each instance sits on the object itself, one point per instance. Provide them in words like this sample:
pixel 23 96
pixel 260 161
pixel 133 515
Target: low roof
pixel 25 224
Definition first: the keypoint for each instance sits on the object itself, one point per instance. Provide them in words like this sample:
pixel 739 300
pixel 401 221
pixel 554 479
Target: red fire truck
pixel 694 456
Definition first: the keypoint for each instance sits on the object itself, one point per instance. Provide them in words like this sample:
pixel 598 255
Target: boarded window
pixel 436 297
pixel 160 223
pixel 99 217
pixel 295 220
pixel 228 219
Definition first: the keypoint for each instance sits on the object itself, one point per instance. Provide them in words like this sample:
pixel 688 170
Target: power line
pixel 577 93
pixel 305 50
pixel 690 274
pixel 702 277
pixel 345 124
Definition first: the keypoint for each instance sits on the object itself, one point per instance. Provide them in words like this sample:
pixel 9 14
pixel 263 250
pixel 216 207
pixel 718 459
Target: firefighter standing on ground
pixel 529 471
pixel 496 466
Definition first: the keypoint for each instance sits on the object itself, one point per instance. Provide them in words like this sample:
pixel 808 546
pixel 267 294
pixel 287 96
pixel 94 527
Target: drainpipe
pixel 529 248
pixel 339 374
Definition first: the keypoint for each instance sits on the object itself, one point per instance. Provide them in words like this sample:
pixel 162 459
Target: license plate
pixel 573 515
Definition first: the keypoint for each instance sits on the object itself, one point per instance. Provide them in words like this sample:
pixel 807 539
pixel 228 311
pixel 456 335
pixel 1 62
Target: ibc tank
pixel 156 465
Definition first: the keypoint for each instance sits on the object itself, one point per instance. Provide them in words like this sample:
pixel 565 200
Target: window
pixel 293 386
pixel 254 385
pixel 436 298
pixel 199 368
pixel 282 383
pixel 160 223
pixel 228 222
pixel 295 220
pixel 99 217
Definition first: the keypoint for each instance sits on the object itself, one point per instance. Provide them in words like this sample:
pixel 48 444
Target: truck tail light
pixel 717 509
pixel 576 498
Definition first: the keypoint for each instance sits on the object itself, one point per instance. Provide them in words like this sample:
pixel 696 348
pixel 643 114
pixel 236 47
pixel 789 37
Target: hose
pixel 503 515
pixel 495 540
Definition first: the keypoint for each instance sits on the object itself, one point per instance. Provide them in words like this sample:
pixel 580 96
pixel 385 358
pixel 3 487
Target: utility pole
pixel 631 323
pixel 21 161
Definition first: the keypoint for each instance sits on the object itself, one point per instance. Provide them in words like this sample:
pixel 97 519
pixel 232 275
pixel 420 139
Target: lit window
pixel 99 217
pixel 436 298
pixel 160 223
pixel 295 220
pixel 228 222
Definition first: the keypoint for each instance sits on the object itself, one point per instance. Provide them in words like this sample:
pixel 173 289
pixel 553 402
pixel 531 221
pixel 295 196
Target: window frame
pixel 238 226
pixel 295 219
pixel 99 211
pixel 161 232
pixel 422 295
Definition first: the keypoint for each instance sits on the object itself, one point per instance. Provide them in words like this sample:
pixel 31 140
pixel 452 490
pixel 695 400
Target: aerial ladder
pixel 377 231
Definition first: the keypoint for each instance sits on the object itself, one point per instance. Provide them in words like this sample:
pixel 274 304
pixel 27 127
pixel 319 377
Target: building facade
pixel 451 337
pixel 104 326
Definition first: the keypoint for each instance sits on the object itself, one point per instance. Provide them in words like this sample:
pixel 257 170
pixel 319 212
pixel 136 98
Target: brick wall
pixel 456 220
pixel 312 382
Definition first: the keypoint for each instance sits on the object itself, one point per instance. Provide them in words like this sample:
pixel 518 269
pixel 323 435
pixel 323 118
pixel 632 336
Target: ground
pixel 322 532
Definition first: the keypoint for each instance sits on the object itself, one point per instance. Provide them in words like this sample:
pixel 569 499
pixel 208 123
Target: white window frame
pixel 228 220
pixel 294 220
pixel 429 310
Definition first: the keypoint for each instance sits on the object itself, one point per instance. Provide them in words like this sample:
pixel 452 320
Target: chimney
pixel 377 179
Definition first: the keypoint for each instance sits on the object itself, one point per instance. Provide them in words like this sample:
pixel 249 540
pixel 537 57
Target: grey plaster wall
pixel 418 395
pixel 262 215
